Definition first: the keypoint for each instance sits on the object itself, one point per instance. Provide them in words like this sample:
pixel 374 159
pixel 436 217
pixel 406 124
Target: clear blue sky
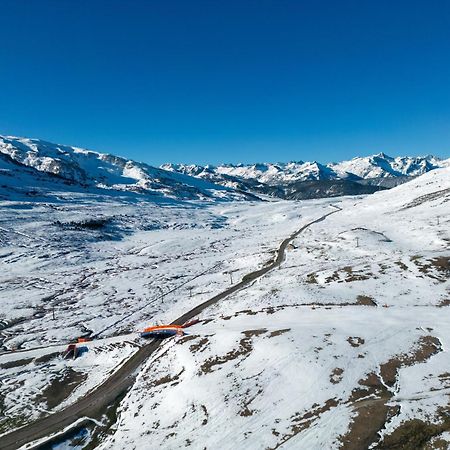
pixel 228 80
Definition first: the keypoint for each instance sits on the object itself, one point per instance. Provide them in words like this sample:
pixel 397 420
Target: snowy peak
pixel 376 166
pixel 92 169
pixel 89 169
pixel 279 173
pixel 383 166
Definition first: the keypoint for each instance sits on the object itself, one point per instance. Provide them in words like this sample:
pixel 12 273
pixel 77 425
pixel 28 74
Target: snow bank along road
pixel 116 385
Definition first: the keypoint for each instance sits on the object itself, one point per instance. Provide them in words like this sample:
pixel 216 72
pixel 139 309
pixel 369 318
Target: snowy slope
pixel 346 346
pixel 91 169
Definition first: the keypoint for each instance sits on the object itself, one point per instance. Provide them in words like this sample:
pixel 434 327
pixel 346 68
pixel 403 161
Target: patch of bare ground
pixel 444 302
pixel 244 349
pixel 16 363
pixel 351 275
pixel 402 265
pixel 348 274
pixel 199 346
pixel 247 312
pixel 427 198
pixel 365 300
pixel 371 414
pixel 46 358
pixel 383 268
pixel 336 375
pixel 437 443
pixel 279 332
pixel 246 411
pixel 361 301
pixel 355 341
pixel 370 400
pixel 437 268
pixel 426 347
pixel 167 379
pixel 444 376
pixel 205 411
pixel 11 423
pixel 311 278
pixel 61 387
pixel 300 422
pixel 416 434
pixel 334 277
pixel 186 338
pixel 442 263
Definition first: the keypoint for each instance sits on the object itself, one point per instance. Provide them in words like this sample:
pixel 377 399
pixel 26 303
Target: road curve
pixel 120 381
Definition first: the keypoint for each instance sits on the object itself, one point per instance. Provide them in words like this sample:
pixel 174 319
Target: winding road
pixel 120 381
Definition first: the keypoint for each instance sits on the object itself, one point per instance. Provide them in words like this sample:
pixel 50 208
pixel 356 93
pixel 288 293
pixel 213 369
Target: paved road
pixel 121 380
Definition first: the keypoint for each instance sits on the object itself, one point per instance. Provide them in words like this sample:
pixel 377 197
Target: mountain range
pixel 28 163
pixel 304 180
pixel 370 167
pixel 33 167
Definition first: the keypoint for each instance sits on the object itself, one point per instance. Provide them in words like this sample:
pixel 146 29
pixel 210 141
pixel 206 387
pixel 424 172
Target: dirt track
pixel 121 380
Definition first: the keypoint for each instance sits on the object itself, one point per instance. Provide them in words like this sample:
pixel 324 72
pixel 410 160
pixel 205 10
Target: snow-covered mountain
pixel 22 157
pixel 266 173
pixel 370 167
pixel 384 166
pixel 30 165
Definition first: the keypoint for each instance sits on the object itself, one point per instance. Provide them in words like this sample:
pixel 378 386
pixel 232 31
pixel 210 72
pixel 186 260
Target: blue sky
pixel 228 81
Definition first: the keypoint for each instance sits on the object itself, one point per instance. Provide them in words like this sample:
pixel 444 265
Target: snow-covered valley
pixel 344 346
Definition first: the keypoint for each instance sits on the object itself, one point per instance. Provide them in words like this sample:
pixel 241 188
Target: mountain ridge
pixel 113 174
pixel 90 169
pixel 375 166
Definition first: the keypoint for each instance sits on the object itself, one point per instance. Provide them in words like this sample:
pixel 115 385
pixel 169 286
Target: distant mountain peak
pixel 379 165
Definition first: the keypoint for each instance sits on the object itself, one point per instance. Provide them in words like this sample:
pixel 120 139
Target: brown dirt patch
pixel 437 443
pixel 426 198
pixel 311 278
pixel 437 268
pixel 244 349
pixel 11 423
pixel 336 375
pixel 17 363
pixel 355 341
pixel 402 265
pixel 372 413
pixel 199 346
pixel 413 435
pixel 205 411
pixel 355 276
pixel 46 358
pixel 61 387
pixel 426 347
pixel 365 300
pixel 167 379
pixel 300 422
pixel 279 332
pixel 246 411
pixel 333 277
